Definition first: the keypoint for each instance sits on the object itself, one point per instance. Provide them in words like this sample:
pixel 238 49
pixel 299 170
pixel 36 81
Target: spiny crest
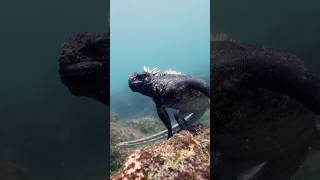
pixel 171 71
pixel 154 71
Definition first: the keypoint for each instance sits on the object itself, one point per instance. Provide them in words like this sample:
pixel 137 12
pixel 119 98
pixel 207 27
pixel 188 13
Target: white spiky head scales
pixel 154 71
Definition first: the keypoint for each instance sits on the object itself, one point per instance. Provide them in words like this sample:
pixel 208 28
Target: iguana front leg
pixel 164 117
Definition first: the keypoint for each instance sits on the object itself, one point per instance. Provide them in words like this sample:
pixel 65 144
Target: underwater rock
pixel 184 155
pixel 119 132
pixel 84 65
pixel 12 171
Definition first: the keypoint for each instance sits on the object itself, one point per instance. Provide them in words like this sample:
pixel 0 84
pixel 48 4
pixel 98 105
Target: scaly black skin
pixel 264 110
pixel 84 65
pixel 184 93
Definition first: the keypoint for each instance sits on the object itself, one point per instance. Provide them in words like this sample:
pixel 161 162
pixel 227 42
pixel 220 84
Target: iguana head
pixel 138 81
pixel 141 81
pixel 84 66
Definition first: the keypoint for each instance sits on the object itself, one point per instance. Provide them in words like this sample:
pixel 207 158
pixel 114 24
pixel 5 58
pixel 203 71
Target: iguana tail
pixel 154 137
pixel 191 118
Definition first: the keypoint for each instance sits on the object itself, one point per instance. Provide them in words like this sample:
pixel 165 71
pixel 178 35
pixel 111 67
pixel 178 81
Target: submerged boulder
pixel 186 155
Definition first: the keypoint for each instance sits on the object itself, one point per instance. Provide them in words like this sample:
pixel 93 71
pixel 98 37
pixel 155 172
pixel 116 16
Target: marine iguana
pixel 84 67
pixel 264 111
pixel 186 94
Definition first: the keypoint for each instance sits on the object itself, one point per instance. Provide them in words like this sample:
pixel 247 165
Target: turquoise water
pixel 169 34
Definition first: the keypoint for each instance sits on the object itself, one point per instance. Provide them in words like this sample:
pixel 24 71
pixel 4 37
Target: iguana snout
pixel 84 66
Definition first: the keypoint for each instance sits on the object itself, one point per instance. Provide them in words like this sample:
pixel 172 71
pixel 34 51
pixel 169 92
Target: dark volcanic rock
pixel 84 65
pixel 120 132
pixel 183 156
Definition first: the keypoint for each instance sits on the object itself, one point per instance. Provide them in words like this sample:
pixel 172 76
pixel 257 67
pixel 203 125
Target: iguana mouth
pixel 81 69
pixel 135 84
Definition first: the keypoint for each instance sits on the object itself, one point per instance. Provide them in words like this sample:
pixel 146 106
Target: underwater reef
pixel 119 131
pixel 184 156
pixel 129 129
